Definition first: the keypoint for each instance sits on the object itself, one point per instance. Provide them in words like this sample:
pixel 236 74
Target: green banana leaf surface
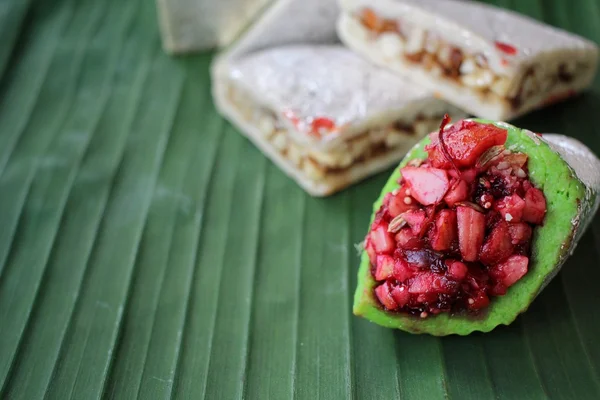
pixel 147 250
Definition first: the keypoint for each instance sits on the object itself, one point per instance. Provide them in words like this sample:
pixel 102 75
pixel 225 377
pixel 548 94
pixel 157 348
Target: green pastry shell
pixel 552 243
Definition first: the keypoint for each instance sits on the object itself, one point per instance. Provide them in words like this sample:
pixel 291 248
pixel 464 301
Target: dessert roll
pixel 324 115
pixel 475 222
pixel 491 62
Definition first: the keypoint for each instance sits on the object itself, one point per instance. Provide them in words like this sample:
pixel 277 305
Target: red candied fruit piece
pixel 371 251
pixel 458 192
pixel 471 230
pixel 422 283
pixel 402 271
pixel 468 175
pixel 457 270
pixel 465 142
pixel 322 125
pixel 399 202
pixel 535 206
pixel 405 239
pixel 401 295
pixel 417 220
pixel 506 48
pixel 428 282
pixel 384 268
pixel 498 245
pixel 511 270
pixel 444 232
pixel 520 232
pixel 481 300
pixel 511 208
pixel 383 293
pixel 382 240
pixel 427 185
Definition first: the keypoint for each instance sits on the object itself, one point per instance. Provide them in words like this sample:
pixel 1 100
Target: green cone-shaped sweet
pixel 571 202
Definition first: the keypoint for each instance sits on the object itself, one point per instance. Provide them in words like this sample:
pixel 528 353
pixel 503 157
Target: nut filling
pixel 458 230
pixel 317 163
pixel 429 50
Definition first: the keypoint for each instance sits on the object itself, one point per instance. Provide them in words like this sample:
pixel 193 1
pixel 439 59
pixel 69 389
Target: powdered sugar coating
pixel 332 82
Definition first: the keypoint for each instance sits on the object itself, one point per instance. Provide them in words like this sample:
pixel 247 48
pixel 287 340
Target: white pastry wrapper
pixel 192 25
pixel 586 166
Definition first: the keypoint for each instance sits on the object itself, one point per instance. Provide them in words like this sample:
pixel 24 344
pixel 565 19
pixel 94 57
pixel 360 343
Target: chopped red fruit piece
pixel 498 289
pixel 384 268
pixel 444 232
pixel 401 295
pixel 402 271
pixel 498 245
pixel 416 219
pixel 465 141
pixel 481 300
pixel 322 125
pixel 458 192
pixel 386 199
pixel 371 251
pixel 471 230
pixel 441 284
pixel 400 202
pixel 469 175
pixel 457 270
pixel 383 293
pixel 422 283
pixel 511 270
pixel 535 206
pixel 427 185
pixel 381 239
pixel 407 240
pixel 519 232
pixel 511 208
pixel 506 48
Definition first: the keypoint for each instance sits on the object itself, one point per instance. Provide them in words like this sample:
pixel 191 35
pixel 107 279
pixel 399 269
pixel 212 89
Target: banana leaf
pixel 147 250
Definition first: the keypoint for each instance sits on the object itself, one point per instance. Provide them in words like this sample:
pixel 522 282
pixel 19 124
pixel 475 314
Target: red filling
pixel 458 230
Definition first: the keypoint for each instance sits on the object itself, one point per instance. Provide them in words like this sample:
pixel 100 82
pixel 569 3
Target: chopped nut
pixel 416 41
pixel 279 140
pixel 422 128
pixel 313 170
pixel 391 45
pixel 481 78
pixel 500 86
pixel 432 43
pixel 468 66
pixel 394 138
pixel 294 154
pixel 266 125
